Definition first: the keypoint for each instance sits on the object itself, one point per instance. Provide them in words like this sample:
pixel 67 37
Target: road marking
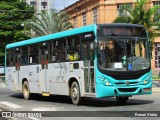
pixel 14 106
pixel 33 118
pixel 2 85
pixel 44 109
pixel 14 118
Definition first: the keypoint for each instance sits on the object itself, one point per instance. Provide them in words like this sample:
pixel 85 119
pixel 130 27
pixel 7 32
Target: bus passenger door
pixel 17 68
pixel 44 69
pixel 88 58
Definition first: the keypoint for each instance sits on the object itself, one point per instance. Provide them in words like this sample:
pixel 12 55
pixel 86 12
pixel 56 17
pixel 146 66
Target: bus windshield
pixel 123 54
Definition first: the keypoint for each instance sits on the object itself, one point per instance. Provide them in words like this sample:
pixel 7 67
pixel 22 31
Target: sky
pixel 61 4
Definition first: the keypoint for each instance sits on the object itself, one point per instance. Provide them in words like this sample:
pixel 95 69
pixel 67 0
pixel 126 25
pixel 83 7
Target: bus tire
pixel 75 93
pixel 122 100
pixel 26 91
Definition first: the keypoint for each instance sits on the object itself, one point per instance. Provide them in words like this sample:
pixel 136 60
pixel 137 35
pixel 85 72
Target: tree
pixel 12 14
pixel 142 14
pixel 48 22
pixel 123 19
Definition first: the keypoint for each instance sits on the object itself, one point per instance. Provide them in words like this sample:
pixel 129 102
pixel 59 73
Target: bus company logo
pixel 127 83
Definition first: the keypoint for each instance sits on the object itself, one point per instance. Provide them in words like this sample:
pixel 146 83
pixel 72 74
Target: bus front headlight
pixel 105 81
pixel 146 80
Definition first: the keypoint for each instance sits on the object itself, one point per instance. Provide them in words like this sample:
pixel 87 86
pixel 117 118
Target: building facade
pixel 40 5
pixel 86 12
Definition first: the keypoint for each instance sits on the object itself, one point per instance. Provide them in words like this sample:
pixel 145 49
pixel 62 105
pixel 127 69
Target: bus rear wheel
pixel 75 93
pixel 26 91
pixel 122 100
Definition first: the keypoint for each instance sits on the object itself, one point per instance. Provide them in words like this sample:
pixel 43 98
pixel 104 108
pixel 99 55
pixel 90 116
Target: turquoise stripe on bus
pixel 90 28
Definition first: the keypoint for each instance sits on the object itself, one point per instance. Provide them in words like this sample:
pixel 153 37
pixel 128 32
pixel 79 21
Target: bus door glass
pixel 44 55
pixel 88 58
pixel 17 67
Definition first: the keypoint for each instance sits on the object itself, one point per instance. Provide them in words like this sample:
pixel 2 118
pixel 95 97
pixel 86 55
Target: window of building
pixel 84 19
pixel 122 11
pixel 75 21
pixel 156 18
pixel 44 3
pixel 95 15
pixel 24 53
pixel 32 3
pixel 33 54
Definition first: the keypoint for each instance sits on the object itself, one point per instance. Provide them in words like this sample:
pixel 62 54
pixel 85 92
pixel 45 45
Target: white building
pixel 40 5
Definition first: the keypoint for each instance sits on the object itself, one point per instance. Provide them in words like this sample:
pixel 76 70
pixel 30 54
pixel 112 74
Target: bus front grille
pixel 122 83
pixel 127 89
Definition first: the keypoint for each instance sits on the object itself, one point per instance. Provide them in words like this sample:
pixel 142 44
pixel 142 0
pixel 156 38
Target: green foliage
pixel 122 19
pixel 12 14
pixel 142 14
pixel 47 22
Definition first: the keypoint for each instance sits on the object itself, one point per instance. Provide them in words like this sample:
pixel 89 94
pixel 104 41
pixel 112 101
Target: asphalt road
pixel 13 101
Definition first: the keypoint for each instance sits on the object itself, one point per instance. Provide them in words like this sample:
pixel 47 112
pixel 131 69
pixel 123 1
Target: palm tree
pixel 48 22
pixel 143 15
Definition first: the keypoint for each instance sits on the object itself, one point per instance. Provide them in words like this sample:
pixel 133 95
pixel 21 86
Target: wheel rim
pixel 74 93
pixel 25 91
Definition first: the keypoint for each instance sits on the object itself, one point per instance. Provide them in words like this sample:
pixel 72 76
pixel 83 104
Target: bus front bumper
pixel 104 91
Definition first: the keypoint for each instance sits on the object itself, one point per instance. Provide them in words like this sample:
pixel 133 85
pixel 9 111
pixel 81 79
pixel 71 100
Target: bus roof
pixel 66 33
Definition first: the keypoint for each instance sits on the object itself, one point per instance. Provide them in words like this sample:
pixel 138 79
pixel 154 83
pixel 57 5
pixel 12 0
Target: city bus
pixel 99 60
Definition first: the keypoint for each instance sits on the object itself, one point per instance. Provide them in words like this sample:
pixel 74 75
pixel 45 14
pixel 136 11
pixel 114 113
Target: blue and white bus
pixel 99 60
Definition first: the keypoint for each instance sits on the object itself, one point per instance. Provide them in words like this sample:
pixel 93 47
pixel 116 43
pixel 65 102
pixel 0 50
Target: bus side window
pixel 58 50
pixel 54 53
pixel 73 49
pixel 33 54
pixel 10 57
pixel 24 54
pixel 61 50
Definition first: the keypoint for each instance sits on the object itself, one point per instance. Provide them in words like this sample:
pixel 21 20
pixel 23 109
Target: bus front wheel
pixel 75 93
pixel 122 99
pixel 26 91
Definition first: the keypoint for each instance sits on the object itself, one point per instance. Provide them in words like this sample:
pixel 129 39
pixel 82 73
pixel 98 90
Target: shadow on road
pixel 92 102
